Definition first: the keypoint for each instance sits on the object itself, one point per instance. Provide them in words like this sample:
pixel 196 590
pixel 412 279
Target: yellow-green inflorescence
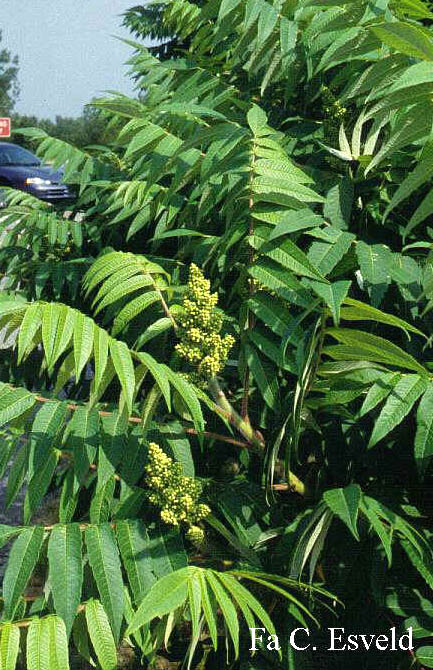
pixel 201 344
pixel 175 494
pixel 334 112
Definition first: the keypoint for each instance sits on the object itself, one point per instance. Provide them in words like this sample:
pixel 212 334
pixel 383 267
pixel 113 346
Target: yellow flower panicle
pixel 195 535
pixel 175 494
pixel 201 344
pixel 334 113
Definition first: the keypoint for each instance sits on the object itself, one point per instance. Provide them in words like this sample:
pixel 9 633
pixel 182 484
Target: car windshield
pixel 14 155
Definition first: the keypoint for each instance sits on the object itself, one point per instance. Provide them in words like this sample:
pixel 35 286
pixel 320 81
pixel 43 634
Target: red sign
pixel 5 127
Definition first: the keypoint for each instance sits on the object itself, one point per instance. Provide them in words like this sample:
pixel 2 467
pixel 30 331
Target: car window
pixel 14 155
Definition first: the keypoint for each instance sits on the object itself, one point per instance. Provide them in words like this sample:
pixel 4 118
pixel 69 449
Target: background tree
pixel 80 131
pixel 9 88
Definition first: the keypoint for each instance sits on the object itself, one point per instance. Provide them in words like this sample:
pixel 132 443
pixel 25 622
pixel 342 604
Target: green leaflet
pixel 293 221
pixel 379 391
pixel 421 174
pixel 344 503
pixel 209 609
pixel 374 261
pixel 44 438
pixel 378 526
pixel 422 212
pixel 64 331
pixel 39 483
pixel 100 352
pixel 29 326
pixel 338 205
pixel 105 563
pixel 100 507
pixel 50 320
pixel 124 368
pixel 80 635
pixel 256 117
pixel 264 374
pixel 400 401
pixel 244 508
pixel 132 501
pixel 227 608
pixel 112 444
pixel 68 497
pixel 406 38
pixel 159 374
pixel 122 287
pixel 361 345
pixel 83 342
pixel 58 642
pixel 354 310
pixel 424 655
pixel 174 434
pixel 157 328
pixel 424 432
pixel 82 437
pixel 284 252
pixel 414 8
pixel 101 635
pixel 412 126
pixel 166 595
pixel 188 396
pixel 132 309
pixel 421 561
pixel 22 560
pixel 325 255
pixel 246 599
pixel 66 571
pixel 333 295
pixel 166 549
pixel 134 548
pixel 275 315
pixel 14 403
pixel 38 645
pixel 17 474
pixel 7 532
pixel 9 646
pixel 273 276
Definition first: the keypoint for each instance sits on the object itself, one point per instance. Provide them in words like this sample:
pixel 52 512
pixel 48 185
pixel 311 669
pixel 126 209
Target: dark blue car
pixel 23 170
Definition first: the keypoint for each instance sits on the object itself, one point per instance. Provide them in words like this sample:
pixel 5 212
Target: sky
pixel 67 50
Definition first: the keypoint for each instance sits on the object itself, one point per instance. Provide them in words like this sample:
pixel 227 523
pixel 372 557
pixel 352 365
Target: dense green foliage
pixel 269 193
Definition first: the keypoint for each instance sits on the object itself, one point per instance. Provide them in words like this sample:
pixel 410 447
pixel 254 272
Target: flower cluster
pixel 334 113
pixel 201 344
pixel 175 494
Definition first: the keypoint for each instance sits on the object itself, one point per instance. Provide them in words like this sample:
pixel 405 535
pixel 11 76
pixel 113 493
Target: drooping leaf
pixel 105 563
pixel 134 548
pixel 399 403
pixel 424 432
pixel 344 503
pixel 101 635
pixel 406 38
pixel 361 345
pixel 166 595
pixel 66 571
pixel 22 560
pixel 9 646
pixel 333 295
